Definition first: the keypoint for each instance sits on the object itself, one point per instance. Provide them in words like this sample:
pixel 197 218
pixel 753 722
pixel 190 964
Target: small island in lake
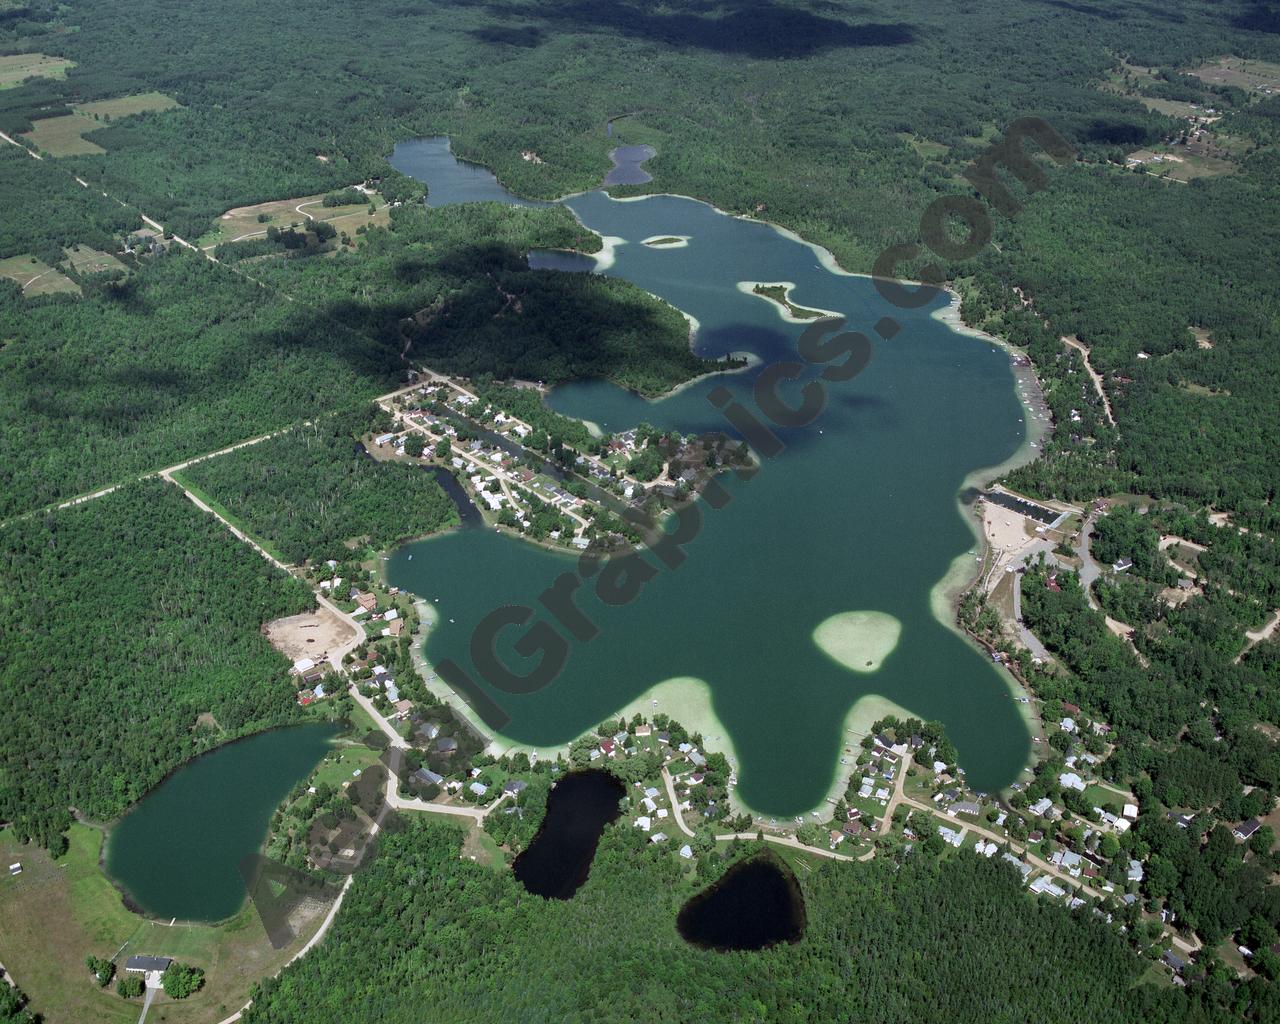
pixel 779 293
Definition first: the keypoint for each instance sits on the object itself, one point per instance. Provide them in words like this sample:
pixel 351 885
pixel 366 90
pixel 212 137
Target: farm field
pixel 64 135
pixel 1251 75
pixel 84 260
pixel 1184 165
pixel 245 222
pixel 36 278
pixel 16 68
pixel 127 106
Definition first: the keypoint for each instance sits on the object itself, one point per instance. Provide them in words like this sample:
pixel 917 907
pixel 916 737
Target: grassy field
pixel 64 135
pixel 56 913
pixel 84 260
pixel 1250 75
pixel 127 106
pixel 246 222
pixel 16 68
pixel 36 278
pixel 1183 165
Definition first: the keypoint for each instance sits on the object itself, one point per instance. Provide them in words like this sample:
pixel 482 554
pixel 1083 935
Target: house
pixel 403 708
pixel 607 747
pixel 644 730
pixel 427 731
pixel 15 869
pixel 644 822
pixel 836 837
pixel 1135 872
pixel 1181 820
pixel 951 836
pixel 147 964
pixel 1067 725
pixel 1246 829
pixel 427 777
pixel 652 791
pixel 514 786
pixel 1044 884
pixel 965 807
pixel 1070 780
pixel 1123 565
pixel 1070 709
pixel 686 852
pixel 446 745
pixel 658 837
pixel 1173 962
pixel 393 693
pixel 367 601
pixel 1130 811
pixel 649 804
pixel 1041 807
pixel 697 759
pixel 478 788
pixel 395 629
pixel 303 665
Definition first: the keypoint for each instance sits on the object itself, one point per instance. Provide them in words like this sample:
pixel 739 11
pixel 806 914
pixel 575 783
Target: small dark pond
pixel 756 904
pixel 578 808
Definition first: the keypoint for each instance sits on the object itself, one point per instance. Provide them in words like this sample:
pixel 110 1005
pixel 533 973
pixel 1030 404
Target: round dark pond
pixel 756 904
pixel 578 808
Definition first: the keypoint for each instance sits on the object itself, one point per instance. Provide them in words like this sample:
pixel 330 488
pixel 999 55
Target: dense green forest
pixel 829 119
pixel 124 620
pixel 454 288
pixel 425 936
pixel 309 491
pixel 185 356
pixel 182 358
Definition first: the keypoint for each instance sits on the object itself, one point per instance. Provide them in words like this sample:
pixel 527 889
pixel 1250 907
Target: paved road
pixel 1089 569
pixel 1028 638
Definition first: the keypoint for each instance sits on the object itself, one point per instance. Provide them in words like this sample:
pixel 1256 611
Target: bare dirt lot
pixel 311 635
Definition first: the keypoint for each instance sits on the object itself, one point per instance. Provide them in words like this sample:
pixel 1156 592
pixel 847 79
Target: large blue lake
pixel 859 513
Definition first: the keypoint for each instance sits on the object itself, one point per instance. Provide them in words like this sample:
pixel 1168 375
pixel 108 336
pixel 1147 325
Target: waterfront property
pixel 178 852
pixel 858 513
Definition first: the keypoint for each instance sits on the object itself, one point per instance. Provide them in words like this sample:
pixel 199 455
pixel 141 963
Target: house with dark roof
pixel 1246 829
pixel 146 964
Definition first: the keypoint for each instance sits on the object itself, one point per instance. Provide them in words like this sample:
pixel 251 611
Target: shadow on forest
pixel 1261 17
pixel 484 311
pixel 751 28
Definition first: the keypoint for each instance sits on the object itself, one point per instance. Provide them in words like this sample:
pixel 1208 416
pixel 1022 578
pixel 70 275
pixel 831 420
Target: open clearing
pixel 84 260
pixel 245 222
pixel 127 106
pixel 310 635
pixel 1251 75
pixel 36 278
pixel 56 913
pixel 16 68
pixel 64 135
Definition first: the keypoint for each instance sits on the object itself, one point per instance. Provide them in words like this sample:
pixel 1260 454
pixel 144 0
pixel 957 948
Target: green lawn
pixel 56 913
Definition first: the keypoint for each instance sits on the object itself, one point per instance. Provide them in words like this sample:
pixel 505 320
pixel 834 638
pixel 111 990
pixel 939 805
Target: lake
pixel 558 860
pixel 177 853
pixel 858 514
pixel 628 165
pixel 756 904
